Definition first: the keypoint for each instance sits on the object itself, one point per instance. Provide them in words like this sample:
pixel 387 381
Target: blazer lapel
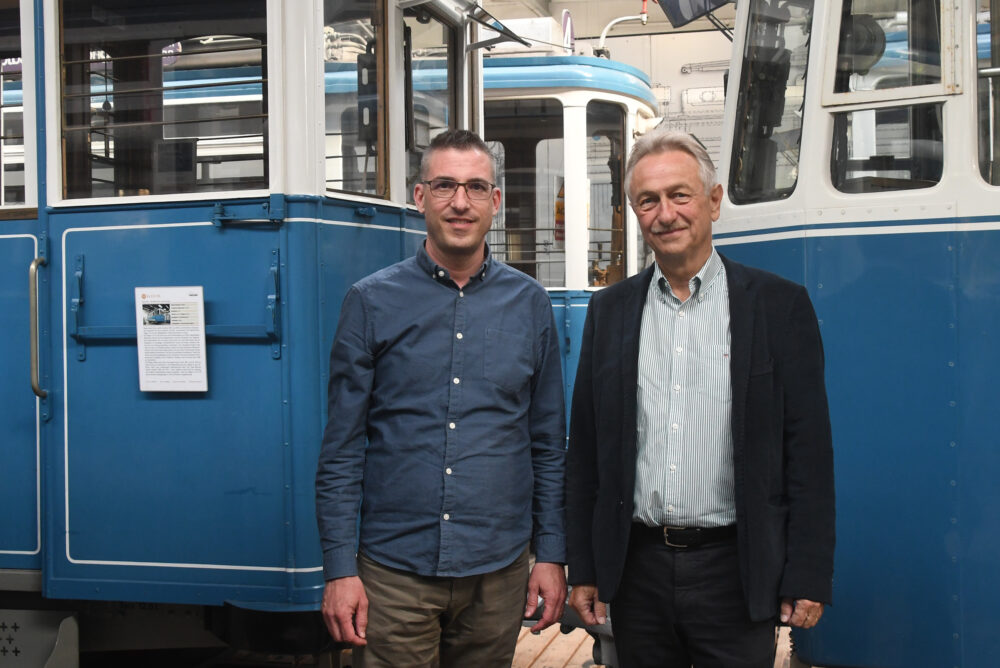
pixel 741 329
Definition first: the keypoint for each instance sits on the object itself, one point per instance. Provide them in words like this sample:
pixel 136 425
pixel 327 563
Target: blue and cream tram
pixel 862 162
pixel 263 152
pixel 562 127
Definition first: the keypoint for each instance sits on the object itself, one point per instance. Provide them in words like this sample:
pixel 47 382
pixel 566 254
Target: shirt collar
pixel 441 274
pixel 703 279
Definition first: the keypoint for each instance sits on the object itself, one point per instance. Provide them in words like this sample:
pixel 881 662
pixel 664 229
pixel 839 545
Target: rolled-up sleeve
pixel 342 456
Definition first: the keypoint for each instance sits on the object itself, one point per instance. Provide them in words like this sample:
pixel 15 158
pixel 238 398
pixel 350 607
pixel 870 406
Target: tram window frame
pixel 544 258
pixel 835 63
pixel 762 168
pixel 370 104
pixel 417 140
pixel 606 267
pixel 885 169
pixel 987 94
pixel 14 44
pixel 121 147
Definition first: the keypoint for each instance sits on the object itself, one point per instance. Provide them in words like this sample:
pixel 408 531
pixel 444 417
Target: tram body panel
pixel 884 214
pixel 20 543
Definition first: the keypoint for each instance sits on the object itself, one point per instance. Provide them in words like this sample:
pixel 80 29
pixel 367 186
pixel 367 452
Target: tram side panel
pixel 978 516
pixel 164 496
pixel 19 437
pixel 887 310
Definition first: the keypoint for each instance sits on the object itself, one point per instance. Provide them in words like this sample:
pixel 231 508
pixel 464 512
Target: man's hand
pixel 547 580
pixel 584 600
pixel 802 613
pixel 345 610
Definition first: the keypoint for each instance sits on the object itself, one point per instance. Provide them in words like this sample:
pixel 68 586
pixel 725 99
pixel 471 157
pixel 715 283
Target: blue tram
pixel 159 145
pixel 263 152
pixel 861 161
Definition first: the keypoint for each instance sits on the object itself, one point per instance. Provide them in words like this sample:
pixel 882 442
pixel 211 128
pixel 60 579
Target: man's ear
pixel 418 196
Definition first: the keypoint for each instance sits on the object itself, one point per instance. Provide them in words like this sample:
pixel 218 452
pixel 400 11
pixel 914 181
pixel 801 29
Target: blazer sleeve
pixel 808 451
pixel 581 464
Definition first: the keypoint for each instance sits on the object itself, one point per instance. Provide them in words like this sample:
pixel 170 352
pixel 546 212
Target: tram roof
pixel 567 72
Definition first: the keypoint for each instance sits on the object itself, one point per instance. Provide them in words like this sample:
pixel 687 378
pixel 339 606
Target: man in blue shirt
pixel 447 432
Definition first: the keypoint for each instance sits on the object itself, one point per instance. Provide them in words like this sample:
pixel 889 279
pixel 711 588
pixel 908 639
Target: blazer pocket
pixel 507 360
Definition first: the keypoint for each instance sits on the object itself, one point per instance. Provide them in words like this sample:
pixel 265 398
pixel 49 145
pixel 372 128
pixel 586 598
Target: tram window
pixel 769 130
pixel 888 44
pixel 606 248
pixel 896 148
pixel 12 191
pixel 159 99
pixel 430 88
pixel 988 34
pixel 354 84
pixel 528 233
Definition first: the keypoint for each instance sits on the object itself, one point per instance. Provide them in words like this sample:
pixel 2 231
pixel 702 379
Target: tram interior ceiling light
pixel 682 12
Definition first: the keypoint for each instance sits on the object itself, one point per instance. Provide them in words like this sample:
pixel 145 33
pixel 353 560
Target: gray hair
pixel 661 140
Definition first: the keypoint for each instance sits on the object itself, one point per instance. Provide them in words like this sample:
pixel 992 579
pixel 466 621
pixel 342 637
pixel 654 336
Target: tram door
pixel 19 417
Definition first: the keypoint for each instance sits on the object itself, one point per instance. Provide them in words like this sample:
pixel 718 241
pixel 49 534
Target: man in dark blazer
pixel 700 499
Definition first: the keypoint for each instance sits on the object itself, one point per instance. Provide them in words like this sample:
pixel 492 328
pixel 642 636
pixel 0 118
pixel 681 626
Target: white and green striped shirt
pixel 684 464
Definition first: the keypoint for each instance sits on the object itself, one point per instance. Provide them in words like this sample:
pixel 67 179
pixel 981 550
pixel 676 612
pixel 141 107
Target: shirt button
pixel 680 314
pixel 456 381
pixel 675 426
pixel 459 336
pixel 441 273
pixel 677 388
pixel 673 467
pixel 451 425
pixel 447 517
pixel 448 471
pixel 670 509
pixel 461 293
pixel 679 349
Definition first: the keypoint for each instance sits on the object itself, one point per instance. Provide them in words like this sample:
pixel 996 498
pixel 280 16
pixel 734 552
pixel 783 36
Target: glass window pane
pixel 11 108
pixel 897 148
pixel 888 44
pixel 429 86
pixel 988 57
pixel 354 106
pixel 765 163
pixel 605 136
pixel 529 231
pixel 157 100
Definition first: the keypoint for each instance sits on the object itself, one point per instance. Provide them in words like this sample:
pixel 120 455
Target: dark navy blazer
pixel 782 445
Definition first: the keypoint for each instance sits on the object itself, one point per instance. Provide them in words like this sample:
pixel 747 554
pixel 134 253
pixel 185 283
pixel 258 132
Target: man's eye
pixel 478 187
pixel 443 185
pixel 647 203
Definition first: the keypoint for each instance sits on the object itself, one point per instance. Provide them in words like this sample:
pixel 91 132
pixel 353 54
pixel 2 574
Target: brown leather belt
pixel 684 537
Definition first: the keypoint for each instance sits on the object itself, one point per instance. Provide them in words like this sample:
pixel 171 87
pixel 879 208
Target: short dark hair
pixel 460 140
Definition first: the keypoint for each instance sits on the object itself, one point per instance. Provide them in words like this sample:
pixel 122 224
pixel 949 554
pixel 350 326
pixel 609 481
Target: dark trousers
pixel 678 607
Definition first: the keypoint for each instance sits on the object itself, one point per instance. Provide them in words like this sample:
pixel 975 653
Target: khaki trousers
pixel 439 622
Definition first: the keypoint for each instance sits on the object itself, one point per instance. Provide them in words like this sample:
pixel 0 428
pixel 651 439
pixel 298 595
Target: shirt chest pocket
pixel 507 360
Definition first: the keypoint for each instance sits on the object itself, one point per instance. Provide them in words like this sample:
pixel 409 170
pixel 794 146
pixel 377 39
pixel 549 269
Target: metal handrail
pixel 33 324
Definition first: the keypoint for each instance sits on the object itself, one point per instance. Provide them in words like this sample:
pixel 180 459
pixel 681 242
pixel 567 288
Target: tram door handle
pixel 33 324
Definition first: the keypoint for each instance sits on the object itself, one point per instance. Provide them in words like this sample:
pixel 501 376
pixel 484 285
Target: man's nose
pixel 460 200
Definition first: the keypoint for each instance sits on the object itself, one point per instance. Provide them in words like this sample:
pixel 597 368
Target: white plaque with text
pixel 170 333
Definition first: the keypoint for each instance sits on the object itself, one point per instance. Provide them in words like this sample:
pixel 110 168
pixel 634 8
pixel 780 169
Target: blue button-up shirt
pixel 446 424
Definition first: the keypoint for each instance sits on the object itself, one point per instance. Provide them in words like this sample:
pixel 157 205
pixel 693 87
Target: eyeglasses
pixel 446 188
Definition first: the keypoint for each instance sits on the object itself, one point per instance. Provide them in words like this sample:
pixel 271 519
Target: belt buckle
pixel 666 537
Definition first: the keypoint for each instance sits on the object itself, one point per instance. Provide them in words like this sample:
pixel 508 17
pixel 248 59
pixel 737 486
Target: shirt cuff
pixel 339 563
pixel 550 548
